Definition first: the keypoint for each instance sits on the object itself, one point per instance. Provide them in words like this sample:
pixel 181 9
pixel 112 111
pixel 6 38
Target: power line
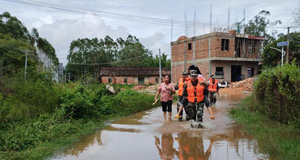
pixel 93 64
pixel 112 15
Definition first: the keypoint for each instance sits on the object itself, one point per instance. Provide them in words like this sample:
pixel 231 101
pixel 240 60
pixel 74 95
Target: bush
pixel 26 99
pixel 277 92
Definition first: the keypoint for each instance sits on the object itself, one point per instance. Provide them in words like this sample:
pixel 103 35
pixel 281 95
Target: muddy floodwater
pixel 146 136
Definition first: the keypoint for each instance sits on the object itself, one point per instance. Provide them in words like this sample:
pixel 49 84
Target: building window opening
pixel 225 45
pixel 219 71
pixel 109 80
pixel 190 46
pixel 141 80
pixel 125 80
pixel 250 72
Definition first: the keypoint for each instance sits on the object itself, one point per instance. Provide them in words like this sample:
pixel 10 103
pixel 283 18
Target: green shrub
pixel 277 92
pixel 26 99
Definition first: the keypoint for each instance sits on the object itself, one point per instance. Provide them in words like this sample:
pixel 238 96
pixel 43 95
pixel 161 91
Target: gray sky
pixel 141 18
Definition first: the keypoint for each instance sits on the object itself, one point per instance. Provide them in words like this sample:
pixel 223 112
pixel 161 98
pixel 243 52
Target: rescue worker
pixel 180 86
pixel 191 147
pixel 206 92
pixel 213 89
pixel 194 93
pixel 167 90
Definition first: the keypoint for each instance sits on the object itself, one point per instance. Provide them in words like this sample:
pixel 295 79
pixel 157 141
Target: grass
pixel 278 140
pixel 50 133
pixel 71 132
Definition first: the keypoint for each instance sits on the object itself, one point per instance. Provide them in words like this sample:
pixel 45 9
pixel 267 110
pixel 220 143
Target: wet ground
pixel 147 136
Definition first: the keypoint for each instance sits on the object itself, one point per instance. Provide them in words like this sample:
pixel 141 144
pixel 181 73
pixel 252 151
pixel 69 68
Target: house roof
pixel 133 71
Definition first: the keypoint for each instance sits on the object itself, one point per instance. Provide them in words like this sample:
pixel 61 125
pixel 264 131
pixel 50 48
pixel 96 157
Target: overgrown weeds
pixel 38 116
pixel 276 139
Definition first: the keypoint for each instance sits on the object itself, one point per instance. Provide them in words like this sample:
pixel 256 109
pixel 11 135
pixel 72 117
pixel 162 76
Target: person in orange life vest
pixel 194 93
pixel 206 92
pixel 213 88
pixel 184 101
pixel 180 86
pixel 167 90
pixel 192 147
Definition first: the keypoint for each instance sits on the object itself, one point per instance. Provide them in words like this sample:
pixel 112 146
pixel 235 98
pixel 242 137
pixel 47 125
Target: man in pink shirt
pixel 167 90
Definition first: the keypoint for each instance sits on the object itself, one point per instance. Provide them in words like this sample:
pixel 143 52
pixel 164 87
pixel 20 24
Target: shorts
pixel 167 106
pixel 207 104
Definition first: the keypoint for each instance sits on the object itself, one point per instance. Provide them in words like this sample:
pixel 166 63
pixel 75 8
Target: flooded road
pixel 147 136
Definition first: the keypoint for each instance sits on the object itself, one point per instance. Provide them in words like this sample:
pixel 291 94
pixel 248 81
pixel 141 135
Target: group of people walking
pixel 193 94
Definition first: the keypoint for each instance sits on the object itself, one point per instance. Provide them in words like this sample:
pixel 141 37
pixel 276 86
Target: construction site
pixel 229 56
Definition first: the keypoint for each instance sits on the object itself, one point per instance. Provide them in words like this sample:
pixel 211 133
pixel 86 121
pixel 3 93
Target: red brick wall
pixel 201 48
pixel 202 55
pixel 152 80
pixel 217 50
pixel 119 80
pixel 130 80
pixel 204 68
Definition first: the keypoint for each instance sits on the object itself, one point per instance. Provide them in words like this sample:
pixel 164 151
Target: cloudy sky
pixel 61 21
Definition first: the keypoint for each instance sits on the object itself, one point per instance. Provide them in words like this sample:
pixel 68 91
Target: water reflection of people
pixel 165 146
pixel 191 147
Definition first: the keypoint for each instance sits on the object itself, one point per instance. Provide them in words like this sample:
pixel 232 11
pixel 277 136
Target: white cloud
pixel 155 42
pixel 62 32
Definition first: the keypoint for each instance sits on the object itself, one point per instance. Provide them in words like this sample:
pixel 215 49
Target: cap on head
pixel 194 73
pixel 185 73
pixel 212 76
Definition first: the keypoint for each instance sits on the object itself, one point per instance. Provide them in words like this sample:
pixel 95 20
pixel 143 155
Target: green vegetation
pixel 280 141
pixel 87 56
pixel 277 93
pixel 38 117
pixel 271 114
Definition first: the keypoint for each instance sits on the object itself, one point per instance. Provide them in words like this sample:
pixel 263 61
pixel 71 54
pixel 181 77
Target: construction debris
pixel 110 89
pixel 247 84
pixel 138 87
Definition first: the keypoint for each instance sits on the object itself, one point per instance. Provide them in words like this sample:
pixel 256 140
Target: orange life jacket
pixel 213 87
pixel 180 86
pixel 199 89
pixel 201 80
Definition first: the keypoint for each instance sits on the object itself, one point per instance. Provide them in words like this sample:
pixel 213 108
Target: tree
pixel 296 15
pixel 12 56
pixel 43 47
pixel 11 25
pixel 16 38
pixel 272 57
pixel 87 56
pixel 258 26
pixel 154 62
pixel 132 53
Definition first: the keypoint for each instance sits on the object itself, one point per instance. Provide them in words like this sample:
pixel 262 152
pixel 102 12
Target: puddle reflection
pixel 144 136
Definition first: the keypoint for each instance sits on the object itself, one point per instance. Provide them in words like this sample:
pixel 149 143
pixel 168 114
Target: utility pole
pixel 26 52
pixel 186 34
pixel 194 23
pixel 288 39
pixel 228 18
pixel 282 53
pixel 288 46
pixel 171 47
pixel 210 19
pixel 25 65
pixel 159 66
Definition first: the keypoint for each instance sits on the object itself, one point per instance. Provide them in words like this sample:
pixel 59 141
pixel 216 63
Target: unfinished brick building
pixel 132 75
pixel 228 56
